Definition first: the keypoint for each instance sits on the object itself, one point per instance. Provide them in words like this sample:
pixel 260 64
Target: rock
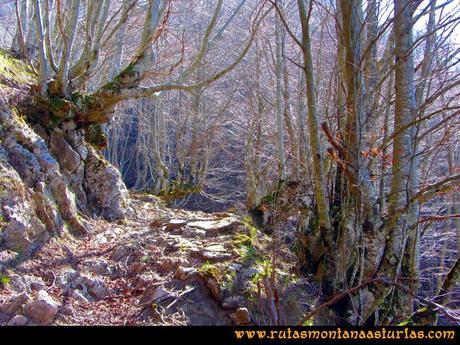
pixel 156 223
pixel 165 265
pixel 14 303
pixel 101 291
pixel 214 287
pixel 214 253
pixel 66 202
pixel 37 286
pixel 42 309
pixel 144 280
pixel 193 232
pixel 107 192
pixel 79 296
pixel 154 293
pixel 122 251
pixel 248 273
pixel 136 267
pixel 34 283
pixel 17 283
pixel 175 224
pixel 22 227
pixel 68 158
pixel 46 209
pixel 214 227
pixel 241 317
pixel 185 273
pixel 67 278
pixel 99 266
pixel 232 302
pixel 67 311
pixel 92 288
pixel 18 320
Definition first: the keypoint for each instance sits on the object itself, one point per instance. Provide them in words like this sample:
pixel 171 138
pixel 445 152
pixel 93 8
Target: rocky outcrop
pixel 20 226
pixel 51 177
pixel 106 191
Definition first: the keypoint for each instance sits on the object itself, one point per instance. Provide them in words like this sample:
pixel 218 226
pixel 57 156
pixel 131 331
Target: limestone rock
pixel 165 265
pixel 92 288
pixel 136 267
pixel 34 283
pixel 99 266
pixel 42 309
pixel 144 280
pixel 213 253
pixel 21 227
pixel 107 192
pixel 185 273
pixel 215 227
pixel 68 158
pixel 122 251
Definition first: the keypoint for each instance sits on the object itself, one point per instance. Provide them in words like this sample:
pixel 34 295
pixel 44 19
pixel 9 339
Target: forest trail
pixel 158 267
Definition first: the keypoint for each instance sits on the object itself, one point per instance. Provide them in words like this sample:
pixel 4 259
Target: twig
pixel 179 297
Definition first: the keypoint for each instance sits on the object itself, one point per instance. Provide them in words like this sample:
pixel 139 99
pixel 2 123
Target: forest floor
pixel 157 267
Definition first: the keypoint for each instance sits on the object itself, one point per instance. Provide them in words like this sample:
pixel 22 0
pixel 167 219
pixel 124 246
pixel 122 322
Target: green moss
pixel 424 316
pixel 212 270
pixel 82 101
pixel 14 71
pixel 118 80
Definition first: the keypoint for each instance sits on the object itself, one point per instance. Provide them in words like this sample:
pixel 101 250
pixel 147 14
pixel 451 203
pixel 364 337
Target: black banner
pixel 232 335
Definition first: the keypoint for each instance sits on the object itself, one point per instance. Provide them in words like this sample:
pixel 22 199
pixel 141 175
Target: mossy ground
pixel 14 71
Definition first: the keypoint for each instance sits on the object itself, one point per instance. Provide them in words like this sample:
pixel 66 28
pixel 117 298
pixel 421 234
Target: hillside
pixel 142 264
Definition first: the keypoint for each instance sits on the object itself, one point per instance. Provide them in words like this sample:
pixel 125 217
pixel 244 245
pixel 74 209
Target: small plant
pixel 145 259
pixel 308 322
pixel 4 280
pixel 247 253
pixel 210 269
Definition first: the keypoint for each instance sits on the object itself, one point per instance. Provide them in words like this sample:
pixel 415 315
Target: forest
pixel 230 162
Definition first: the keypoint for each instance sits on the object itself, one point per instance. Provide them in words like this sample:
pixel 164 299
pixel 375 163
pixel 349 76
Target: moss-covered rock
pixel 95 136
